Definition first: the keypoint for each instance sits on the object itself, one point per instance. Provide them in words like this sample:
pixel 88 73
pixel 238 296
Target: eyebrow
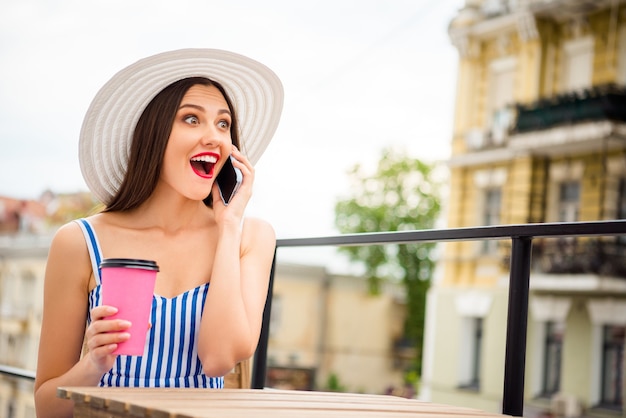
pixel 202 109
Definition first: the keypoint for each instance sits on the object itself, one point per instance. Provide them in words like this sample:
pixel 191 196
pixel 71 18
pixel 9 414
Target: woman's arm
pixel 233 313
pixel 66 288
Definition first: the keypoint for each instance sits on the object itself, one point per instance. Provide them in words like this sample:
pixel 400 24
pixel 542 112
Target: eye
pixel 224 124
pixel 191 119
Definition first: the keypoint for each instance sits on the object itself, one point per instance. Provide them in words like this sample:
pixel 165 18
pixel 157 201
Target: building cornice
pixel 576 138
pixel 481 158
pixel 580 137
pixel 522 21
pixel 472 23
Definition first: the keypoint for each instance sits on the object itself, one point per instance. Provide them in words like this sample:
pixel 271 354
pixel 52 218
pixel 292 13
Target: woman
pixel 151 145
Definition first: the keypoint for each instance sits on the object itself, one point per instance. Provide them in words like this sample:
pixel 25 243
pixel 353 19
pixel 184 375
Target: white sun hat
pixel 107 131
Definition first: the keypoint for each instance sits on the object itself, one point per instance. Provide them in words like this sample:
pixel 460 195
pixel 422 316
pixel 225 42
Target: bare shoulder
pixel 258 232
pixel 68 253
pixel 255 228
pixel 69 237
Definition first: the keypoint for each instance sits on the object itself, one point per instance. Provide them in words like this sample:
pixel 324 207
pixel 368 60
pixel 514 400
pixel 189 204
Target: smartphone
pixel 228 180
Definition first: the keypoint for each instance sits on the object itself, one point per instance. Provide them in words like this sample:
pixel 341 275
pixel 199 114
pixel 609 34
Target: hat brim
pixel 107 130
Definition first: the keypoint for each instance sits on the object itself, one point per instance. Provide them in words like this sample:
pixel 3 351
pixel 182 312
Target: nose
pixel 213 137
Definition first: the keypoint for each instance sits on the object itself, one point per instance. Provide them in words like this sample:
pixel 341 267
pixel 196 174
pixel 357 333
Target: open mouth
pixel 203 165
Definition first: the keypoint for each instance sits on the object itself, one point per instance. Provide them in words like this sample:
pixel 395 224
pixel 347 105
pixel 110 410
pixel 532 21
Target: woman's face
pixel 199 143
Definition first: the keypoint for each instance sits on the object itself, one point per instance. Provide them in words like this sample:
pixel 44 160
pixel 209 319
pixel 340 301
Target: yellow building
pixel 539 136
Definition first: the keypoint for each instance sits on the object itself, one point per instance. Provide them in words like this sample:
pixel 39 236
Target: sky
pixel 359 75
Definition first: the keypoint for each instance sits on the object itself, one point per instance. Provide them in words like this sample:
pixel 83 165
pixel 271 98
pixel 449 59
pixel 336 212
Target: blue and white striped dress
pixel 171 354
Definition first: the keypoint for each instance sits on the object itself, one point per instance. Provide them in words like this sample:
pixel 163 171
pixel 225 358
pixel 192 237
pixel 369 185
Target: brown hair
pixel 150 140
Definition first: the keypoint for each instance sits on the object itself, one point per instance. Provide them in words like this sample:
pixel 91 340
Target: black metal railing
pixel 16 372
pixel 520 264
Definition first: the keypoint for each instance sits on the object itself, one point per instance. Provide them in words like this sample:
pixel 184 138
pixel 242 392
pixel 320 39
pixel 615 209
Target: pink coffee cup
pixel 128 285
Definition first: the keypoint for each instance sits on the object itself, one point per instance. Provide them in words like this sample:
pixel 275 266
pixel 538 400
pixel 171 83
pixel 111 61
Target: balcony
pixel 606 102
pixel 577 256
pixel 590 120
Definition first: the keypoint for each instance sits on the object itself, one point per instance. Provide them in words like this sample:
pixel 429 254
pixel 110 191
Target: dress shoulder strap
pixel 95 254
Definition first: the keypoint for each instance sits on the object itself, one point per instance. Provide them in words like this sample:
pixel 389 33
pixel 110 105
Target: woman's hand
pixel 103 335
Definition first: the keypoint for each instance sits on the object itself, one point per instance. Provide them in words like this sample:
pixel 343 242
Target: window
pixel 553 347
pixel 477 351
pixel 488 207
pixel 549 313
pixel 492 206
pixel 276 315
pixel 26 303
pixel 621 207
pixel 612 366
pixel 470 378
pixel 501 83
pixel 563 191
pixel 568 205
pixel 621 201
pixel 501 95
pixel 621 59
pixel 491 216
pixel 578 64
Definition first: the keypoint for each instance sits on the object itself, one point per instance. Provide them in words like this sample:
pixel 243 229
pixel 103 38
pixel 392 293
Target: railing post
pixel 517 320
pixel 259 366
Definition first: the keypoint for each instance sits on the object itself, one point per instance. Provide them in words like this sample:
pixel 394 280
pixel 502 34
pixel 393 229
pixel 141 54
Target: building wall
pixel 361 332
pixel 581 357
pixel 450 348
pixel 520 55
pixel 22 266
pixel 332 325
pixel 298 311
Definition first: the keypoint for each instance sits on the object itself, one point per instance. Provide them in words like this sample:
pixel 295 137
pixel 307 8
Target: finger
pixel 103 351
pixel 103 340
pixel 247 169
pixel 103 311
pixel 240 157
pixel 242 163
pixel 104 324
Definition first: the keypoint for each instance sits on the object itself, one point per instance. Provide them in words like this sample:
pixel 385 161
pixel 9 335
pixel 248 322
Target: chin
pixel 195 196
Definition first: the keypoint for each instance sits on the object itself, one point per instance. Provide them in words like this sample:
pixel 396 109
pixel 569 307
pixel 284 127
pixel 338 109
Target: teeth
pixel 205 159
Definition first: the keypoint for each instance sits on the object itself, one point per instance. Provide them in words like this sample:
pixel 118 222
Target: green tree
pixel 402 195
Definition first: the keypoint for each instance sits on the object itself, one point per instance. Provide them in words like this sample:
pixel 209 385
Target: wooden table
pixel 95 402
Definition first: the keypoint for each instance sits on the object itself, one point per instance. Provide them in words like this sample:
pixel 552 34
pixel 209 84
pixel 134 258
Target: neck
pixel 172 213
